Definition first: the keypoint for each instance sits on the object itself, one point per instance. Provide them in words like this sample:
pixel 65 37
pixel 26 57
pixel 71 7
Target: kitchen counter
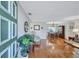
pixel 73 43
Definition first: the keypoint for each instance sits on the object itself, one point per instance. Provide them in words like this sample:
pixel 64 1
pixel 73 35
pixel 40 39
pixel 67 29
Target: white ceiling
pixel 50 10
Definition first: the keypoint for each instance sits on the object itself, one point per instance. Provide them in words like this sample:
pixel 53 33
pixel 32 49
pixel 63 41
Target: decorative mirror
pixel 26 26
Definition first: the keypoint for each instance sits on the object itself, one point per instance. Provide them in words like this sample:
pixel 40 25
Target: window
pixel 4 29
pixel 14 49
pixel 7 28
pixel 0 30
pixel 11 50
pixel 5 55
pixel 5 5
pixel 13 29
pixel 52 29
pixel 14 10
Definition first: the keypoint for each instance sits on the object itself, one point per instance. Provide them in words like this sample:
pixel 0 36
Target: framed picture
pixel 36 27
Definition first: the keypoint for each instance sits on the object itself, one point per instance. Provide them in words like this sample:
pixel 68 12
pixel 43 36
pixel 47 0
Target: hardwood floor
pixel 57 49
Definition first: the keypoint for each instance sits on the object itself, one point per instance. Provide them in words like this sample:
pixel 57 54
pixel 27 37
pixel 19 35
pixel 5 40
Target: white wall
pixel 22 17
pixel 42 33
pixel 68 31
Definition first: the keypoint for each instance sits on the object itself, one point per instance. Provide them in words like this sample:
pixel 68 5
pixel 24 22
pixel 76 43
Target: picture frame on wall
pixel 36 27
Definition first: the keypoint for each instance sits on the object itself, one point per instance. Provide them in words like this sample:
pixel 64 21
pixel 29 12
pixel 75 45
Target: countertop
pixel 76 44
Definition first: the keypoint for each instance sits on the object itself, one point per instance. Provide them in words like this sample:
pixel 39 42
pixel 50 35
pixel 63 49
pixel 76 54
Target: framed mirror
pixel 26 26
